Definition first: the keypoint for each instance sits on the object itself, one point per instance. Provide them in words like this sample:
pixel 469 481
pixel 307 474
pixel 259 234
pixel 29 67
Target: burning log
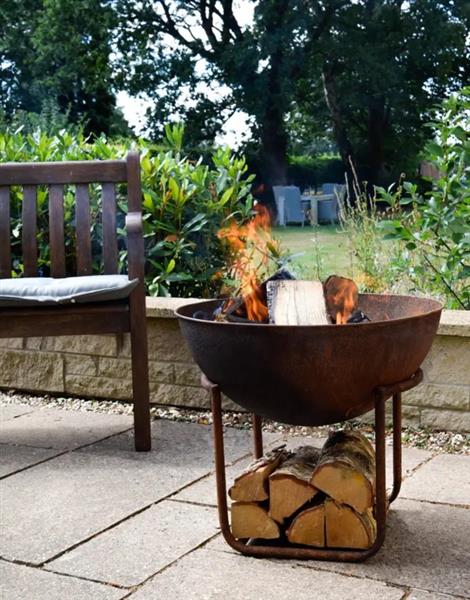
pixel 308 527
pixel 341 297
pixel 346 528
pixel 252 484
pixel 297 303
pixel 289 486
pixel 249 520
pixel 346 470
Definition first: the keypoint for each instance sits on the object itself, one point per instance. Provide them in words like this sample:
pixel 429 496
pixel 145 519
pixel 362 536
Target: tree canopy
pixel 58 51
pixel 369 71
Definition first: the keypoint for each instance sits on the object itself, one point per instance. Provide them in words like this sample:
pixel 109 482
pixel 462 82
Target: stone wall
pixel 99 366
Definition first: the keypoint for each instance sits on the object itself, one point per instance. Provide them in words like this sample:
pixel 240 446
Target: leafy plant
pixel 434 227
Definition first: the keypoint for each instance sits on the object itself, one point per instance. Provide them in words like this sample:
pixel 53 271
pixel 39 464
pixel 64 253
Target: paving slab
pixel 11 411
pixel 207 575
pixel 426 547
pixel 14 458
pixel 18 582
pixel 445 478
pixel 153 539
pixel 61 429
pixel 421 595
pixel 67 499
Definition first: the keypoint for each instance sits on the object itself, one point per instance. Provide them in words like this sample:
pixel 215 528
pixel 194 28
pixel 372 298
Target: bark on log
pixel 249 520
pixel 297 303
pixel 252 484
pixel 308 527
pixel 289 486
pixel 346 528
pixel 346 470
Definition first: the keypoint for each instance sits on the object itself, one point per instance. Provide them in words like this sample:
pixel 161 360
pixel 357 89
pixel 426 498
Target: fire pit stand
pixel 381 393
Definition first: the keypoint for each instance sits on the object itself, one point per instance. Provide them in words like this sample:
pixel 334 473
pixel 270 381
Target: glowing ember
pixel 252 250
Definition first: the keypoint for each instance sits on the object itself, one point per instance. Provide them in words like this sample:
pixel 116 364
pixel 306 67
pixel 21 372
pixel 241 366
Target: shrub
pixel 185 203
pixel 434 227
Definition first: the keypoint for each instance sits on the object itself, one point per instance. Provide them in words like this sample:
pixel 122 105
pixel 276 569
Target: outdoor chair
pixel 293 205
pixel 84 303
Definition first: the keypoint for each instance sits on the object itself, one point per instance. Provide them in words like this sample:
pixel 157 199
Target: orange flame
pixel 341 295
pixel 251 245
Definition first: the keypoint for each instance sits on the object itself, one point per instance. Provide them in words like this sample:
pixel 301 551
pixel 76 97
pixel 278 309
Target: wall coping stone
pixel 453 322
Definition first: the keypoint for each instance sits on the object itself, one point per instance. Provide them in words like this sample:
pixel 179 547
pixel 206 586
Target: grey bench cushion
pixel 29 291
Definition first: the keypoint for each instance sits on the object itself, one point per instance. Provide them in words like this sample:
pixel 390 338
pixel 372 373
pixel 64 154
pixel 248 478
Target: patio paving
pixel 82 516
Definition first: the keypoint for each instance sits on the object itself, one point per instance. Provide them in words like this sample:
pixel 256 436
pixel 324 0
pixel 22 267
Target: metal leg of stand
pixel 257 436
pixel 397 462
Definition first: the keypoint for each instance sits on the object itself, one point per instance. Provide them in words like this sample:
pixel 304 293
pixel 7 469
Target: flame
pixel 341 295
pixel 251 246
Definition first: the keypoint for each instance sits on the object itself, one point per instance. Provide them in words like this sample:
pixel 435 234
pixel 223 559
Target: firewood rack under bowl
pixel 382 500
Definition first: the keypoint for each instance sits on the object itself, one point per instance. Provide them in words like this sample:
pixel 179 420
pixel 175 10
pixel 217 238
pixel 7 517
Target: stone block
pixel 80 365
pixel 101 387
pixel 42 371
pixel 179 395
pixel 33 343
pixel 12 343
pixel 165 342
pixel 161 372
pixel 100 345
pixel 439 396
pixel 187 374
pixel 114 367
pixel 448 361
pixel 452 420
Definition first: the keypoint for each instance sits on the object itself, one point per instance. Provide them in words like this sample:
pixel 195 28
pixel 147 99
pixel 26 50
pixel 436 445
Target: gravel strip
pixel 425 439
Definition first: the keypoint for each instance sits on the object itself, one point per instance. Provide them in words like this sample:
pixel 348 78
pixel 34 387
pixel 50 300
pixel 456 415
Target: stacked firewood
pixel 321 498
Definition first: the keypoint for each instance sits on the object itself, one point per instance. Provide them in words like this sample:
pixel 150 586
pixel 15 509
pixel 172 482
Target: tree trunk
pixel 274 148
pixel 376 128
pixel 339 130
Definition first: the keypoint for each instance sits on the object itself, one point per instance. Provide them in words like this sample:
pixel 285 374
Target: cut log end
pixel 308 528
pixel 346 470
pixel 297 303
pixel 346 528
pixel 249 520
pixel 252 484
pixel 289 486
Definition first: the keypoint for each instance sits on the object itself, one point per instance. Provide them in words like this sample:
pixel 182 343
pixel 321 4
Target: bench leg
pixel 140 380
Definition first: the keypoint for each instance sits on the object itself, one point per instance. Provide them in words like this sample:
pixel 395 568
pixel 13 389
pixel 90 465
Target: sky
pixel 235 127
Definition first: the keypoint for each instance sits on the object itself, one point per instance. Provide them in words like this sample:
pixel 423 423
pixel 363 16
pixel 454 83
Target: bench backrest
pixel 56 175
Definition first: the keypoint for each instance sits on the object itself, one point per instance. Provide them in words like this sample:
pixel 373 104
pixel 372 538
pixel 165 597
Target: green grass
pixel 324 244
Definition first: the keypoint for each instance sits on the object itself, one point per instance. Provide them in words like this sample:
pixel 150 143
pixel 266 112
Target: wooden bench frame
pixel 124 316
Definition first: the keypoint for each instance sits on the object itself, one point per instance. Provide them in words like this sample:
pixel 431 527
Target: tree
pixel 174 50
pixel 383 67
pixel 59 51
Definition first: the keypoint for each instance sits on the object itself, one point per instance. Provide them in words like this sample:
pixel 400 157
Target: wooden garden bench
pixel 83 304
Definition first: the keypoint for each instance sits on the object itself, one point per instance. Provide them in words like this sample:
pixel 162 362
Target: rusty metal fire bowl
pixel 313 375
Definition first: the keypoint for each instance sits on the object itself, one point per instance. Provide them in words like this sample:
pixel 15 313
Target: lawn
pixel 324 245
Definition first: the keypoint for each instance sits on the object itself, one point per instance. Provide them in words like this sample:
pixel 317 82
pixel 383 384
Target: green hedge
pixel 185 204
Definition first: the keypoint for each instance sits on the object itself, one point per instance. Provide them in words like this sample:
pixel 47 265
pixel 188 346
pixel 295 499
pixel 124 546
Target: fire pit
pixel 314 375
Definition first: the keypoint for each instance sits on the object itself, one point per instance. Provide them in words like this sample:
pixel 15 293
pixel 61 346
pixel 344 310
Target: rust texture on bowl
pixel 313 375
